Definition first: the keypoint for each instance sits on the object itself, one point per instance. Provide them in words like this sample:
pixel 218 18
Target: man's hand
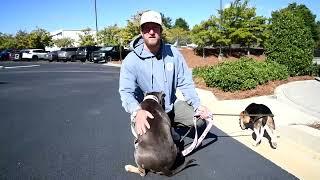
pixel 203 112
pixel 141 121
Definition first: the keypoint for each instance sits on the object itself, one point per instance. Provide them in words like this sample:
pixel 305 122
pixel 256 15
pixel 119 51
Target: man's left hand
pixel 203 112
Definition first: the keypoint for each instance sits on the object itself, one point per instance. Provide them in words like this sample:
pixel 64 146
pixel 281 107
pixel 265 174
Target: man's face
pixel 151 33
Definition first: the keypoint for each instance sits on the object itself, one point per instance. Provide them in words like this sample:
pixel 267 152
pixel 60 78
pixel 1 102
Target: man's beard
pixel 152 42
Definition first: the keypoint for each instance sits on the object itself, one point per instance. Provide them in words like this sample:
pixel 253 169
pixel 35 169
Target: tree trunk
pixel 203 55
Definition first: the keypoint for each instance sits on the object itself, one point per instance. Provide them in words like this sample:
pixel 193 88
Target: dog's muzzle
pixel 241 124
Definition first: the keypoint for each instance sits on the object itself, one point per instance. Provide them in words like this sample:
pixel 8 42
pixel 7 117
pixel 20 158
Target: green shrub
pixel 243 74
pixel 290 43
pixel 314 70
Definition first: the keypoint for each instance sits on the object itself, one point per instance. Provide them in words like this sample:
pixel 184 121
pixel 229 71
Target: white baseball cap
pixel 151 16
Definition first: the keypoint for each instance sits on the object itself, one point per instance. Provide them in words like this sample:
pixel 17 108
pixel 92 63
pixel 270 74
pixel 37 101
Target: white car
pixel 34 54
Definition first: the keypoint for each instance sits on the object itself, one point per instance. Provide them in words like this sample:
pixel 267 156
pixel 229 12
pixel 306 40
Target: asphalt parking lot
pixel 65 121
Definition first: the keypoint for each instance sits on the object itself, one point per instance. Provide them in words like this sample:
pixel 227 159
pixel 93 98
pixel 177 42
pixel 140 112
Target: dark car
pixel 109 53
pixel 51 56
pixel 5 55
pixel 67 54
pixel 84 53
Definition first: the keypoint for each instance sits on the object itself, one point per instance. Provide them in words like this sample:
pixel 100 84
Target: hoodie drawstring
pixel 152 74
pixel 164 69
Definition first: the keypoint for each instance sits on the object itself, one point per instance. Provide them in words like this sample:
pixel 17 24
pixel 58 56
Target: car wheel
pixel 108 59
pixel 34 58
pixel 73 58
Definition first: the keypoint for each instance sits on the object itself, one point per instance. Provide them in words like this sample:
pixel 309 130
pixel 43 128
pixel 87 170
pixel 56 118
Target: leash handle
pixel 196 142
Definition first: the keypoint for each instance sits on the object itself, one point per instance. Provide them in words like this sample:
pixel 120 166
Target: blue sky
pixel 78 14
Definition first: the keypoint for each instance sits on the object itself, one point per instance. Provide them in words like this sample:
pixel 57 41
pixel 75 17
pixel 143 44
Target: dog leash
pixel 271 115
pixel 196 142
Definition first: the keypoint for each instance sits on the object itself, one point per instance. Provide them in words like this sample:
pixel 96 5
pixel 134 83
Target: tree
pixel 241 25
pixel 7 41
pixel 132 29
pixel 21 40
pixel 290 42
pixel 206 34
pixel 63 42
pixel 309 18
pixel 166 21
pixel 87 39
pixel 318 30
pixel 110 35
pixel 39 38
pixel 181 23
pixel 177 34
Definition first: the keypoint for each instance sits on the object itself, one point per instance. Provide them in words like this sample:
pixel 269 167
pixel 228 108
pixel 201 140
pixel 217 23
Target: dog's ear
pixel 161 98
pixel 244 117
pixel 147 93
pixel 242 114
pixel 162 94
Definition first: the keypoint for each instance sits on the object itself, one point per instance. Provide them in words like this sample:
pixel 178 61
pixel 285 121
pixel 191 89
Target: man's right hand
pixel 141 121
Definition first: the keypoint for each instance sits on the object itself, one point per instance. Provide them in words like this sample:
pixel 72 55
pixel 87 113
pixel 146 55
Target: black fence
pixel 229 51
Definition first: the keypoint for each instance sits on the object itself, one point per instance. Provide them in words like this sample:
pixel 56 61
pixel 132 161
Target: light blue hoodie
pixel 143 72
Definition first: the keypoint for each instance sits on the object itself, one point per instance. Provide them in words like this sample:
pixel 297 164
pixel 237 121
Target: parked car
pixel 52 56
pixel 109 53
pixel 84 53
pixel 16 55
pixel 5 55
pixel 33 54
pixel 67 54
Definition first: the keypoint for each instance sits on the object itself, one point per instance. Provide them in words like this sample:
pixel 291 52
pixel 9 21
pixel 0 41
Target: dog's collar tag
pixel 151 97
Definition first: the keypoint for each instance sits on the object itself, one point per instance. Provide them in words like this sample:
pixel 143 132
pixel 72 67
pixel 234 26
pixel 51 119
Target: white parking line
pixel 15 67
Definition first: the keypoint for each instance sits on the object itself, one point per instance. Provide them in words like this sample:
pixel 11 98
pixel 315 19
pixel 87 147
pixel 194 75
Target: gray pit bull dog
pixel 155 150
pixel 261 120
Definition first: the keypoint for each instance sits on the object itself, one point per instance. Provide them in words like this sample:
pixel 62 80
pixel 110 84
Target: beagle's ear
pixel 244 117
pixel 242 114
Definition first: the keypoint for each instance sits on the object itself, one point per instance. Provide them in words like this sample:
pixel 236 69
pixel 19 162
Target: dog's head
pixel 158 96
pixel 244 120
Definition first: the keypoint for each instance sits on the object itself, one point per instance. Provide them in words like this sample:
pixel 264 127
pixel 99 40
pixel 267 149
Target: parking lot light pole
pixel 95 10
pixel 220 28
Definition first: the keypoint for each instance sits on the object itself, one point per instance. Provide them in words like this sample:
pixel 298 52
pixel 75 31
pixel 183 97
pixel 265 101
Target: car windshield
pixel 106 48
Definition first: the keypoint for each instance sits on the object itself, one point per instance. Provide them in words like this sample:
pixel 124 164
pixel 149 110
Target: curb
pixel 112 64
pixel 281 96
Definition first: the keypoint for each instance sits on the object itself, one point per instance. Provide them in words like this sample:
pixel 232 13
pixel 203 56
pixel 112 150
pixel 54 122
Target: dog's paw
pixel 255 144
pixel 142 172
pixel 274 145
pixel 127 167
